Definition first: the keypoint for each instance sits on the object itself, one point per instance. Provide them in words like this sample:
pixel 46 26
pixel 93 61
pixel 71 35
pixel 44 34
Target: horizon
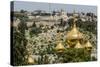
pixel 48 7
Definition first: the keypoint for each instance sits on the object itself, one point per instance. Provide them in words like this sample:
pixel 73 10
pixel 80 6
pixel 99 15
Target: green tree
pixel 19 44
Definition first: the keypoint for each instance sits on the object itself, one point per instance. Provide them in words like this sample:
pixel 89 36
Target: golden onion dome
pixel 88 45
pixel 59 47
pixel 78 45
pixel 74 34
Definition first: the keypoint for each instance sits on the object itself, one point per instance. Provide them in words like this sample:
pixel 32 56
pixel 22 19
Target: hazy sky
pixel 31 6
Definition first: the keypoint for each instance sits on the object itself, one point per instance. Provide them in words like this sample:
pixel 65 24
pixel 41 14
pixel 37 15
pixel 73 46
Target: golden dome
pixel 88 45
pixel 78 45
pixel 74 34
pixel 60 47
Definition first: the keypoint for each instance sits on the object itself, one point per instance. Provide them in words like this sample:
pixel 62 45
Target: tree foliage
pixel 19 44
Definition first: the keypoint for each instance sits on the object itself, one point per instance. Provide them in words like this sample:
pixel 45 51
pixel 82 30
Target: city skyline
pixel 48 7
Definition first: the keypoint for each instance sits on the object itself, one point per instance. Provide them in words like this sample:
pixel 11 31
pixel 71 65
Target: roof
pixel 59 47
pixel 74 33
pixel 88 44
pixel 78 45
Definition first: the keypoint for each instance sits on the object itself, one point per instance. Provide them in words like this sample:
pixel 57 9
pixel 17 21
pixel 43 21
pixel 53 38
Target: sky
pixel 31 6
